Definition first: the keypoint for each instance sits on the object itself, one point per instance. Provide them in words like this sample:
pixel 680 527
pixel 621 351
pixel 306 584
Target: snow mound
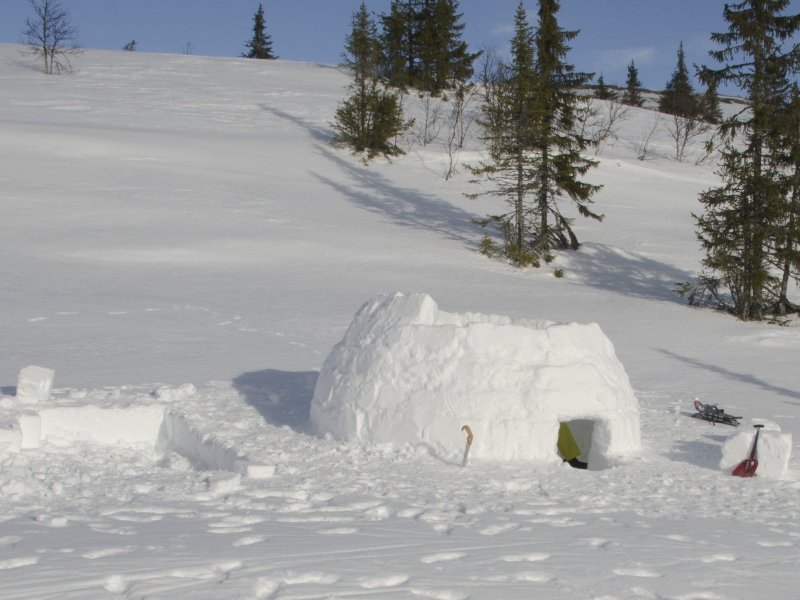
pixel 408 373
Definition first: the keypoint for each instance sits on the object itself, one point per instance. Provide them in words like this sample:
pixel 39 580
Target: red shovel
pixel 747 468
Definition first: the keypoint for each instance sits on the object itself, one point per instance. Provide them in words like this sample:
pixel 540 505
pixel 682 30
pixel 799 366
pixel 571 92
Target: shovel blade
pixel 746 468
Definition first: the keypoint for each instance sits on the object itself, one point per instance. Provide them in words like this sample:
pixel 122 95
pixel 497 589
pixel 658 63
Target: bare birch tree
pixel 50 35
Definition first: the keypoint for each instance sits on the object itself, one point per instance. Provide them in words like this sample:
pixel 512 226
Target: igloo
pixel 408 373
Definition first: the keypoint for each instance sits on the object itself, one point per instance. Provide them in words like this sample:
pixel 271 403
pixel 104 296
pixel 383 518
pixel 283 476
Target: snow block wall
pixel 154 425
pixel 408 373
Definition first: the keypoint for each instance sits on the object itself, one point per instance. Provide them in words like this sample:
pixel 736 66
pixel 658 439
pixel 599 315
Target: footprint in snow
pixel 499 528
pixel 266 588
pixel 532 576
pixel 130 518
pixel 310 578
pixel 228 529
pixel 532 557
pixel 599 543
pixel 217 572
pixel 373 583
pixel 234 524
pixel 718 558
pixel 52 521
pixel 442 557
pixel 9 540
pixel 440 594
pixel 103 552
pixel 774 544
pixel 116 584
pixel 249 540
pixel 521 577
pixel 102 528
pixel 338 531
pixel 638 572
pixel 15 563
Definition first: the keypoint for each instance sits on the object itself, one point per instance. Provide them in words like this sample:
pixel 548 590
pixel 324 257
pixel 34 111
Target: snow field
pixel 183 219
pixel 344 519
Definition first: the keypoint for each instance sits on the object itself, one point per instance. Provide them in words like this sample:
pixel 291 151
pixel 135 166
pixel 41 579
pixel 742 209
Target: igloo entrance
pixel 575 442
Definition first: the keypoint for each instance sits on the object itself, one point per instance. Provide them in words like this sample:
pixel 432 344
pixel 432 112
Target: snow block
pixel 256 471
pixel 773 451
pixel 30 426
pixel 10 438
pixel 34 384
pixel 407 373
pixel 129 426
pixel 221 483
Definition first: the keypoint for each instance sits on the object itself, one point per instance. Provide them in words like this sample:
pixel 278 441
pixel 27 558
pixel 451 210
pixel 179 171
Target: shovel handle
pixel 468 431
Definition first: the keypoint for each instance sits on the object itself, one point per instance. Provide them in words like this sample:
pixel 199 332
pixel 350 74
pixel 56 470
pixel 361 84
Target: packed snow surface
pixel 408 373
pixel 179 237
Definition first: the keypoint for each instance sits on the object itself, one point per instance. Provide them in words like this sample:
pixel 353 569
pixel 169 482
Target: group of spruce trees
pixel 419 47
pixel 536 153
pixel 750 227
pixel 678 97
pixel 536 157
pixel 531 109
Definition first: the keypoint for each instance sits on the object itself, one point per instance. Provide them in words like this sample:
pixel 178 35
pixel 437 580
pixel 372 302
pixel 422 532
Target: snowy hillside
pixel 183 247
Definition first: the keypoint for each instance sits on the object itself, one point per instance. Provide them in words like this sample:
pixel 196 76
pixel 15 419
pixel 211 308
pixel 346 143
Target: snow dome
pixel 408 373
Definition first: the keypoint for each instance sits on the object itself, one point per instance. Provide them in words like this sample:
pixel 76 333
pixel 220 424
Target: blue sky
pixel 613 32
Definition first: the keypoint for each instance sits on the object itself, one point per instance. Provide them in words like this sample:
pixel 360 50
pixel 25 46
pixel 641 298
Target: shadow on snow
pixel 598 265
pixel 751 380
pixel 372 191
pixel 700 453
pixel 283 398
pixel 628 274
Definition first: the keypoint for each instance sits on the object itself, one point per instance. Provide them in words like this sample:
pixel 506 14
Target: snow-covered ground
pixel 179 236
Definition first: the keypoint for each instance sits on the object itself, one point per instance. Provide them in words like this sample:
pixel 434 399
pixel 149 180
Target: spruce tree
pixel 742 218
pixel 785 251
pixel 710 110
pixel 398 44
pixel 509 122
pixel 559 145
pixel 601 91
pixel 422 46
pixel 260 45
pixel 633 87
pixel 444 60
pixel 535 155
pixel 679 97
pixel 370 118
